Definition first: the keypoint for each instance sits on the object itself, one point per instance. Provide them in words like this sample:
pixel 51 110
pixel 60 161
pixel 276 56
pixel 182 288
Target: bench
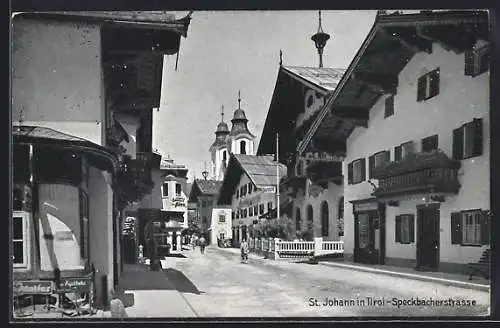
pixel 483 266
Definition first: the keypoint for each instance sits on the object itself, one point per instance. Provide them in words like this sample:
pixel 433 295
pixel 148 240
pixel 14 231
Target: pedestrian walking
pixel 244 251
pixel 202 244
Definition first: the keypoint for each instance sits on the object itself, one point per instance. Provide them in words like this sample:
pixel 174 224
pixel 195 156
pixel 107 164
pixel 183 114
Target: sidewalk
pixel 147 294
pixel 450 279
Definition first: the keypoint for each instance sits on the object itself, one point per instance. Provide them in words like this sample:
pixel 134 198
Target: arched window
pixel 310 217
pixel 297 219
pixel 224 156
pixel 340 219
pixel 243 149
pixel 324 219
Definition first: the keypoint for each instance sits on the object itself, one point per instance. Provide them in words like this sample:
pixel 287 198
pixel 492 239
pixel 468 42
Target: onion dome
pixel 239 121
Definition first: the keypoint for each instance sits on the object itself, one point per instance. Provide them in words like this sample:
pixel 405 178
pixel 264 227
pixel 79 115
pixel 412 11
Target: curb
pixel 454 283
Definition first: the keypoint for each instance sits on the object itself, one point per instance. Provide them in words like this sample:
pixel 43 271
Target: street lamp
pixel 320 39
pixel 205 174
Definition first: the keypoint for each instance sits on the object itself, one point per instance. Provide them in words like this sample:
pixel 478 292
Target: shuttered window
pixel 430 143
pixel 378 159
pixel 468 140
pixel 477 60
pixel 250 211
pixel 401 151
pixel 428 85
pixel 261 209
pixel 389 106
pixel 356 171
pixel 405 229
pixel 470 228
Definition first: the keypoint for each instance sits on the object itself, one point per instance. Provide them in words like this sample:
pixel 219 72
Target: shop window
pixel 428 85
pixel 405 229
pixel 477 60
pixel 401 151
pixel 378 159
pixel 430 143
pixel 165 190
pixel 470 228
pixel 389 106
pixel 20 242
pixel 356 171
pixel 468 140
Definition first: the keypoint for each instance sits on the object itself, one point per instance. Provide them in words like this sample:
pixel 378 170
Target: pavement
pixel 217 284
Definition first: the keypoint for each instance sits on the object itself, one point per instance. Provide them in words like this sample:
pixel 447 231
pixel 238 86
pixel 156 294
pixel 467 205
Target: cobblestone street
pixel 217 284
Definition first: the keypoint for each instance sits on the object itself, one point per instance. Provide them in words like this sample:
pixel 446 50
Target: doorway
pixel 369 238
pixel 428 238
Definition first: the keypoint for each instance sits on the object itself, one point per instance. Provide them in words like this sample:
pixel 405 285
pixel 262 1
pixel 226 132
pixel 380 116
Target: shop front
pixel 369 231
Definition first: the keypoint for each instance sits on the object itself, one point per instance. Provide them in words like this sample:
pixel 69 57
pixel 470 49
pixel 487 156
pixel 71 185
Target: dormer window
pixel 477 60
pixel 428 85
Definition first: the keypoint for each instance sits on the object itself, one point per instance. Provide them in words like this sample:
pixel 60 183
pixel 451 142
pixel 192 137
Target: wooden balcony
pixel 323 171
pixel 432 172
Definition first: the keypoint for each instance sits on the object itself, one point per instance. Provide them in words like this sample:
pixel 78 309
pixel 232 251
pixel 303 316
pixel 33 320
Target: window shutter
pixel 477 143
pixel 349 173
pixel 434 83
pixel 469 63
pixel 371 165
pixel 421 88
pixel 398 229
pixel 485 228
pixel 411 219
pixel 398 153
pixel 456 228
pixel 363 169
pixel 458 143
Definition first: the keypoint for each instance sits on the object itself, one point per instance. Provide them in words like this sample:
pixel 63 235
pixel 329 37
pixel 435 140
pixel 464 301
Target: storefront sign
pixel 33 287
pixel 75 283
pixel 268 189
pixel 179 202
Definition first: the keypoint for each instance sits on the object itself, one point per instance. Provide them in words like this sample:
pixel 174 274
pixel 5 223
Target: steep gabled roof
pixel 202 187
pixel 261 171
pixel 319 78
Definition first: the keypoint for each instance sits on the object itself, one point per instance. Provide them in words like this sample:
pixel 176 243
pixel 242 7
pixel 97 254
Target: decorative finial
pixel 239 99
pixel 281 57
pixel 222 113
pixel 320 39
pixel 320 28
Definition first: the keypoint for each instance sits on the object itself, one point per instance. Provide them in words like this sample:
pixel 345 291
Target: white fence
pixel 294 250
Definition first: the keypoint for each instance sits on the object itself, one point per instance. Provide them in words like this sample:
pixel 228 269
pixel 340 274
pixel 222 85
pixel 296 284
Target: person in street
pixel 202 244
pixel 244 251
pixel 193 241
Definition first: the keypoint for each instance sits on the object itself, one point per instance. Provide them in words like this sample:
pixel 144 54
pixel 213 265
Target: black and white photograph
pixel 250 164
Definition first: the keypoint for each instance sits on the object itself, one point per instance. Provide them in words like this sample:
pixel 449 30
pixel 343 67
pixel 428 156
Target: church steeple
pixel 239 120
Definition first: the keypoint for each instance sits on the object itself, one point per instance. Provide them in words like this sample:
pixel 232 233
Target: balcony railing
pixel 421 172
pixel 325 170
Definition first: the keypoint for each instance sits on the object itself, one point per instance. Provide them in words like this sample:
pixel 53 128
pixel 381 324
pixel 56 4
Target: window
pixel 405 229
pixel 310 101
pixel 269 206
pixel 340 221
pixel 203 203
pixel 310 213
pixel 356 171
pixel 178 189
pixel 224 157
pixel 233 215
pixel 428 85
pixel 297 219
pixel 165 190
pixel 389 106
pixel 237 193
pixel 237 214
pixel 324 219
pixel 468 140
pixel 477 60
pixel 250 211
pixel 378 159
pixel 243 149
pixel 470 228
pixel 430 143
pixel 204 219
pixel 210 203
pixel 222 218
pixel 261 209
pixel 20 239
pixel 256 210
pixel 401 151
pixel 245 213
pixel 250 187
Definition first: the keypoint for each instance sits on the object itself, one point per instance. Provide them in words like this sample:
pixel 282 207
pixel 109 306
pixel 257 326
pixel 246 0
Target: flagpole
pixel 277 178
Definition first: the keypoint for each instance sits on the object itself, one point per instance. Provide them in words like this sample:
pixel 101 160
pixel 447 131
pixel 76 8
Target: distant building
pixel 412 120
pixel 249 188
pixel 204 195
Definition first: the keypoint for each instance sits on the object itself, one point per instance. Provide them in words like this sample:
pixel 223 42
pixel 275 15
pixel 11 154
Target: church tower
pixel 219 150
pixel 240 140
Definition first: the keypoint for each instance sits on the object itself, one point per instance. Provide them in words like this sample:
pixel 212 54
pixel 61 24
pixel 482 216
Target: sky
pixel 227 51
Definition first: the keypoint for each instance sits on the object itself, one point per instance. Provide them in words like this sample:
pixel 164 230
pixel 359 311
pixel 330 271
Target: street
pixel 217 284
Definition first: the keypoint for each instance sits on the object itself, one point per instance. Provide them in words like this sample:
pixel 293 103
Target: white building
pixel 413 111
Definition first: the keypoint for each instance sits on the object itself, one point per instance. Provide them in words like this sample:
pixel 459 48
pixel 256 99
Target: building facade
pixel 417 162
pixel 204 195
pixel 71 84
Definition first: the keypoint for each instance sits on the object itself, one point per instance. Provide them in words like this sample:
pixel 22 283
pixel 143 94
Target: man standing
pixel 244 251
pixel 202 244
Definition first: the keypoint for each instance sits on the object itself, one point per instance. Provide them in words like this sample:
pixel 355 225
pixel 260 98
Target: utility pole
pixel 277 178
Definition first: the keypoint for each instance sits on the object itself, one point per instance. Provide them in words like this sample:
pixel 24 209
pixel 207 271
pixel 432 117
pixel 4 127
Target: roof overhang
pixel 388 47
